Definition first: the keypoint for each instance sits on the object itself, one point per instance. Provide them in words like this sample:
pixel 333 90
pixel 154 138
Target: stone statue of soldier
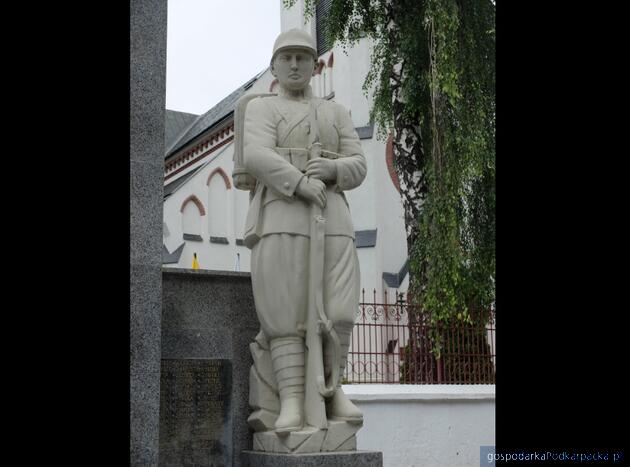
pixel 299 154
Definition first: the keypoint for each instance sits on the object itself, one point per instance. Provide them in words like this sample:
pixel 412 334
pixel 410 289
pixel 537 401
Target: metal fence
pixel 395 343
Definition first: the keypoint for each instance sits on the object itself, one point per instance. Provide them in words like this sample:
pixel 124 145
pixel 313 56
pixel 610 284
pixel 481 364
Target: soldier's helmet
pixel 294 38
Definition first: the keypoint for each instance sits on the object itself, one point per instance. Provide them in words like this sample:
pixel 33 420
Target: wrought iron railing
pixel 396 343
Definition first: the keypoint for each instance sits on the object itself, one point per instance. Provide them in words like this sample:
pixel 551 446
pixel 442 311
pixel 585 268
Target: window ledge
pixel 193 237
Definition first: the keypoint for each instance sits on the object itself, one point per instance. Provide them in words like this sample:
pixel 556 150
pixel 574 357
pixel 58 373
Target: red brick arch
pixel 319 68
pixel 389 159
pixel 221 172
pixel 193 199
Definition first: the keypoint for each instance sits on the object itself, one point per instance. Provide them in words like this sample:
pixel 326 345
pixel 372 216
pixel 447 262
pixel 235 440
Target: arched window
pixel 317 82
pixel 323 79
pixel 218 205
pixel 390 161
pixel 192 210
pixel 329 76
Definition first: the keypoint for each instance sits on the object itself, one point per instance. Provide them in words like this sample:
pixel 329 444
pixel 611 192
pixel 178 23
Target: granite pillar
pixel 147 103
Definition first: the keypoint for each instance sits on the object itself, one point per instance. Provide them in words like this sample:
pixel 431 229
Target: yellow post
pixel 195 264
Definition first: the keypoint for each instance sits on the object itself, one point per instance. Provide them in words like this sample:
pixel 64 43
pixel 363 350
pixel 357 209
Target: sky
pixel 215 46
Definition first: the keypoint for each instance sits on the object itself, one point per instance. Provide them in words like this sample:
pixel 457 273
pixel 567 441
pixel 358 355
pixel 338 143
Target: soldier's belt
pixel 325 154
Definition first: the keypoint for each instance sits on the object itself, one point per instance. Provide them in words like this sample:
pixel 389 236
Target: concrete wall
pixel 425 425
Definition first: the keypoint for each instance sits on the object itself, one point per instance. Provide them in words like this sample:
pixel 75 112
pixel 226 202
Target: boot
pixel 339 406
pixel 287 358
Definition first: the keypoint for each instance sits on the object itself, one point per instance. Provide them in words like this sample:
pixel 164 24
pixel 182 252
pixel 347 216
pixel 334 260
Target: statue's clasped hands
pixel 312 190
pixel 321 169
pixel 312 187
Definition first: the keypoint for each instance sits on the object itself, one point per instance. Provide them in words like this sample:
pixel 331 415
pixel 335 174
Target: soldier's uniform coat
pixel 279 261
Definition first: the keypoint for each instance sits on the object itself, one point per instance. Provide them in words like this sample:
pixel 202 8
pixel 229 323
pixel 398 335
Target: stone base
pixel 339 436
pixel 320 459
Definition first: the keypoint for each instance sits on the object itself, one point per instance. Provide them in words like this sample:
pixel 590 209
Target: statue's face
pixel 293 68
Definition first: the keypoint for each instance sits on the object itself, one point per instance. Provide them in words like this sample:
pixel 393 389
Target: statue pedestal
pixel 339 436
pixel 320 459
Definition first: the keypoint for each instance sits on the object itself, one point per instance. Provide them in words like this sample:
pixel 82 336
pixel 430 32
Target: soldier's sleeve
pixel 260 157
pixel 351 170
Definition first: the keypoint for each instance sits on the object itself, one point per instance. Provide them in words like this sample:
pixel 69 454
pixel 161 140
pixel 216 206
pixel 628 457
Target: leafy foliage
pixel 440 53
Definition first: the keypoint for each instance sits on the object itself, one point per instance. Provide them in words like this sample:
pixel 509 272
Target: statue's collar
pixel 308 92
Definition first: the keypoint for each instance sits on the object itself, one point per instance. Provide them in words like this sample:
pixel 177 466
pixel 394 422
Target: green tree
pixel 433 80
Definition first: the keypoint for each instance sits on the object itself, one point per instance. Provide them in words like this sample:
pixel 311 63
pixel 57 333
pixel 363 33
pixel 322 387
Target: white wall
pixel 294 18
pixel 350 70
pixel 425 425
pixel 370 273
pixel 376 204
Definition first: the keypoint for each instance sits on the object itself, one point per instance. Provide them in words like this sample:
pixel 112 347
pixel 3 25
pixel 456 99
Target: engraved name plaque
pixel 195 417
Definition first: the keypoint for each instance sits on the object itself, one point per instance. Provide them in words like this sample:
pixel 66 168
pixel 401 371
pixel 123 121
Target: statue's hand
pixel 312 190
pixel 322 169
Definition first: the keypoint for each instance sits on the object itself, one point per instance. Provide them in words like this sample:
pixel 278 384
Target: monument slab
pixel 195 417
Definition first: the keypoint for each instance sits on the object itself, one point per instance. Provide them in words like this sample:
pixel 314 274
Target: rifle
pixel 317 323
